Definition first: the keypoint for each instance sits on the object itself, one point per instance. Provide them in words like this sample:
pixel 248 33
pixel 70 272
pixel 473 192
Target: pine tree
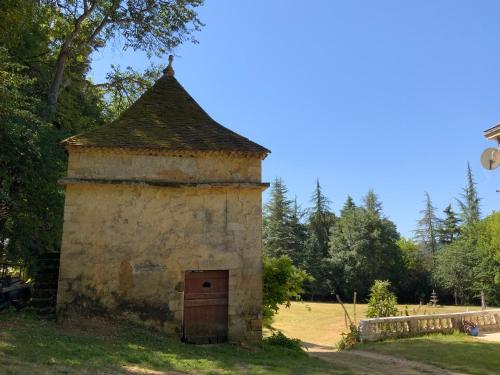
pixel 363 248
pixel 469 204
pixel 299 235
pixel 348 205
pixel 449 229
pixel 372 203
pixel 320 219
pixel 427 230
pixel 316 260
pixel 277 231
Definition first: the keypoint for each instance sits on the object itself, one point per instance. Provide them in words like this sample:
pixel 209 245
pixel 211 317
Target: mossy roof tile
pixel 167 118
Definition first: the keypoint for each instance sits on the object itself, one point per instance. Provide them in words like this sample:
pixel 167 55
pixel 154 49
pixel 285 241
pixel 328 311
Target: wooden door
pixel 205 307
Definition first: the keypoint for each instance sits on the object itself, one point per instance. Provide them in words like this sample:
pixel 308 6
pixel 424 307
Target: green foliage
pixel 470 202
pixel 82 27
pixel 454 269
pixel 427 230
pixel 382 301
pixel 316 258
pixel 372 203
pixel 414 281
pixel 349 339
pixel 123 87
pixel 363 249
pixel 282 283
pixel 487 270
pixel 45 58
pixel 348 205
pixel 449 229
pixel 30 200
pixel 299 236
pixel 279 339
pixel 277 232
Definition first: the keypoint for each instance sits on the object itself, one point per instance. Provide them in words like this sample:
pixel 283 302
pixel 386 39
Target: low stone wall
pixel 376 329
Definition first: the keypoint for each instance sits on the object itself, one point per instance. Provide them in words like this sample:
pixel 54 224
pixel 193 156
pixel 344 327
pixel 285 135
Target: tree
pixel 427 230
pixel 299 235
pixel 278 238
pixel 282 283
pixel 320 219
pixel 363 249
pixel 123 88
pixel 382 302
pixel 487 270
pixel 414 281
pixel 87 25
pixel 470 202
pixel 30 200
pixel 46 46
pixel 372 203
pixel 316 261
pixel 454 269
pixel 348 205
pixel 32 161
pixel 449 229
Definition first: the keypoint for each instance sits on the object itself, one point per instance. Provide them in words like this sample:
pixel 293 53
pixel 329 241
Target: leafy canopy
pixel 282 283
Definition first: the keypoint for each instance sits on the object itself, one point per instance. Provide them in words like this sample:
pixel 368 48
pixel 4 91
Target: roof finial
pixel 169 70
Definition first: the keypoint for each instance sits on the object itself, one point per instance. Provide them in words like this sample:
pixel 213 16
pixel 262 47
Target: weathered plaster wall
pixel 125 248
pixel 200 168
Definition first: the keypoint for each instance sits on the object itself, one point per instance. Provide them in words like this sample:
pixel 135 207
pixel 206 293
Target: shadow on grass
pixel 457 352
pixel 26 339
pixel 310 346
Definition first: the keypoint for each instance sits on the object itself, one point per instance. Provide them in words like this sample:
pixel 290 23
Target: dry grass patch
pixel 321 324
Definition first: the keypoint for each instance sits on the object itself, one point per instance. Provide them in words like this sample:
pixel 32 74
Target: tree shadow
pixel 49 345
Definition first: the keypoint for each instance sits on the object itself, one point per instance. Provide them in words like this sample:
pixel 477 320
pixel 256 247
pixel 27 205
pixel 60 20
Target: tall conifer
pixel 277 232
pixel 316 260
pixel 449 229
pixel 427 229
pixel 470 202
pixel 299 235
pixel 372 203
pixel 348 205
pixel 363 248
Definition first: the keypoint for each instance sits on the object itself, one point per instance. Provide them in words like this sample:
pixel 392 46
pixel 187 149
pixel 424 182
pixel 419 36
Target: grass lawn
pixel 320 323
pixel 29 345
pixel 456 352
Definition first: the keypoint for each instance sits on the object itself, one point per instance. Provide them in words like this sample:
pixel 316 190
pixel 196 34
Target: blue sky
pixel 384 95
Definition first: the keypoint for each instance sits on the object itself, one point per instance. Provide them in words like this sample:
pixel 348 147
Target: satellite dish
pixel 490 158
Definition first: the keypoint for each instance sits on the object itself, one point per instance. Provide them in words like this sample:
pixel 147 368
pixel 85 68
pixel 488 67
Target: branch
pixel 117 82
pixel 105 20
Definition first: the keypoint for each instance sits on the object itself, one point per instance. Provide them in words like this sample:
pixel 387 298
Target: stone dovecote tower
pixel 162 221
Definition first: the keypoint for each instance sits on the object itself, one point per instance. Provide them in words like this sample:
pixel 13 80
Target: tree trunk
pixel 55 87
pixel 62 59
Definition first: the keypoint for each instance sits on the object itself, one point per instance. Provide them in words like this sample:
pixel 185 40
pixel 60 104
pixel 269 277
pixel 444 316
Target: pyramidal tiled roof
pixel 166 118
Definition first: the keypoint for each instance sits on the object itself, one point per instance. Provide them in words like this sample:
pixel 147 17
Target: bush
pixel 282 282
pixel 349 339
pixel 382 301
pixel 279 339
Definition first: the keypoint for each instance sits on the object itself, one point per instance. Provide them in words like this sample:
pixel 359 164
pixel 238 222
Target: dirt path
pixel 490 336
pixel 368 363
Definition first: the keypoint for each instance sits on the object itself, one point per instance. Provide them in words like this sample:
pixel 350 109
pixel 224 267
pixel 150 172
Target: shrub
pixel 282 282
pixel 279 339
pixel 382 301
pixel 349 339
